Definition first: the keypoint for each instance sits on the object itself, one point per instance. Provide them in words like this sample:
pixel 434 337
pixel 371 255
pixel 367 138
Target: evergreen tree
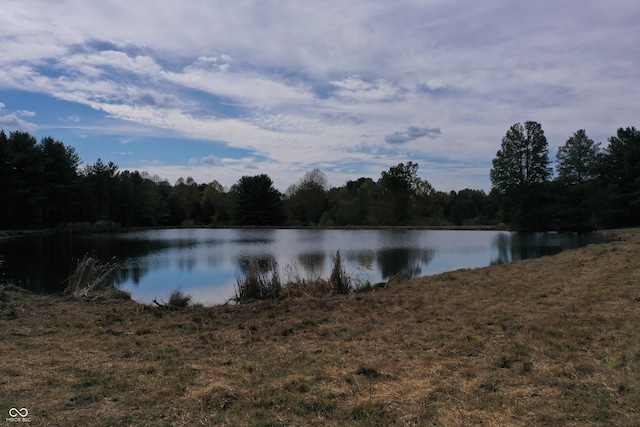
pixel 59 182
pixel 577 166
pixel 520 175
pixel 256 202
pixel 620 179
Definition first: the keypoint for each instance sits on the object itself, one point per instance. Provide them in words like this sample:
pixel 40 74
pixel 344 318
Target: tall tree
pixel 577 165
pixel 424 206
pixel 5 174
pixel 352 203
pixel 398 186
pixel 519 174
pixel 469 207
pixel 621 179
pixel 214 206
pixel 100 185
pixel 577 159
pixel 256 202
pixel 307 200
pixel 185 202
pixel 23 160
pixel 59 181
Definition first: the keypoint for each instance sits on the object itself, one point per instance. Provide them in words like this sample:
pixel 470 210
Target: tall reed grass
pixel 93 278
pixel 257 283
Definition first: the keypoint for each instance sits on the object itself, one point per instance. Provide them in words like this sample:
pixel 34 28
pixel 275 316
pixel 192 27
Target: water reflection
pixel 403 262
pixel 263 263
pixel 511 247
pixel 206 263
pixel 313 263
pixel 252 236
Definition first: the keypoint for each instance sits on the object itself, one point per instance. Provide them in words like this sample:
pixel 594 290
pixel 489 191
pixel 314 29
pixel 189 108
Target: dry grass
pixel 91 278
pixel 553 341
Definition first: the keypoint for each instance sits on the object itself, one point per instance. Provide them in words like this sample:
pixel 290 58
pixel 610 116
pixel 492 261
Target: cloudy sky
pixel 219 89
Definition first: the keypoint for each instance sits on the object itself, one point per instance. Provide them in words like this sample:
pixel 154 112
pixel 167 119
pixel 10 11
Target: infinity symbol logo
pixel 22 412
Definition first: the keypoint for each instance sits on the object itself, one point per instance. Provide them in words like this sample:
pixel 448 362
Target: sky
pixel 217 89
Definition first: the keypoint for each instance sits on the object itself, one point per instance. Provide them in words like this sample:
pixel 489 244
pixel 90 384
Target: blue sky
pixel 219 89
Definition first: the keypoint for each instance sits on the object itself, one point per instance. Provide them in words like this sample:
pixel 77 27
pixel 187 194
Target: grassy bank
pixel 552 341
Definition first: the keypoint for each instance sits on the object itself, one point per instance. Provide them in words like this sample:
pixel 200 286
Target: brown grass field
pixel 547 342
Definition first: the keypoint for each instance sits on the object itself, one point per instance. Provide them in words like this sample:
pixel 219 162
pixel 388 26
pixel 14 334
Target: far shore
pixel 49 231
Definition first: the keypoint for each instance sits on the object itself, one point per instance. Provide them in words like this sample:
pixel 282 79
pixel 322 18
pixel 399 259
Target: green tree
pixel 156 193
pixel 22 181
pixel 59 182
pixel 352 203
pixel 100 182
pixel 256 202
pixel 469 207
pixel 38 181
pixel 140 202
pixel 578 159
pixel 577 165
pixel 5 176
pixel 185 202
pixel 520 175
pixel 620 179
pixel 397 187
pixel 214 203
pixel 424 207
pixel 307 200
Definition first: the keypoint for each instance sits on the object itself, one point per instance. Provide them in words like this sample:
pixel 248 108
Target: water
pixel 205 263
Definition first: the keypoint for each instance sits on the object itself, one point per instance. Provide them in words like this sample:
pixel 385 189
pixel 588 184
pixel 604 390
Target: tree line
pixel 43 185
pixel 594 187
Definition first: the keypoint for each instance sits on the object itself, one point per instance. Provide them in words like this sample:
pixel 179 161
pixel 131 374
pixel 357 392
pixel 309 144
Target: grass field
pixel 547 342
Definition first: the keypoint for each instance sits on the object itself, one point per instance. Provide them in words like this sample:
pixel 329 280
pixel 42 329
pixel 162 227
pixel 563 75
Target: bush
pixel 178 299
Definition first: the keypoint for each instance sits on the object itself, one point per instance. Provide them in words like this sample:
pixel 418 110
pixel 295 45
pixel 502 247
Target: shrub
pixel 178 299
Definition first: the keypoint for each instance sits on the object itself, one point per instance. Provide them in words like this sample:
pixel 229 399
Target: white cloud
pixel 12 122
pixel 210 160
pixel 72 118
pixel 355 89
pixel 330 83
pixel 248 89
pixel 95 64
pixel 412 133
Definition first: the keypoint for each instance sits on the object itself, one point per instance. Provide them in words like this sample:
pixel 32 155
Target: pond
pixel 206 263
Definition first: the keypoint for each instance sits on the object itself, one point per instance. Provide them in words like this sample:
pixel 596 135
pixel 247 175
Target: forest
pixel 43 184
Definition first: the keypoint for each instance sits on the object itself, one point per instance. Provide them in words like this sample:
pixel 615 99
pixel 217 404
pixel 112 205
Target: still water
pixel 205 263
